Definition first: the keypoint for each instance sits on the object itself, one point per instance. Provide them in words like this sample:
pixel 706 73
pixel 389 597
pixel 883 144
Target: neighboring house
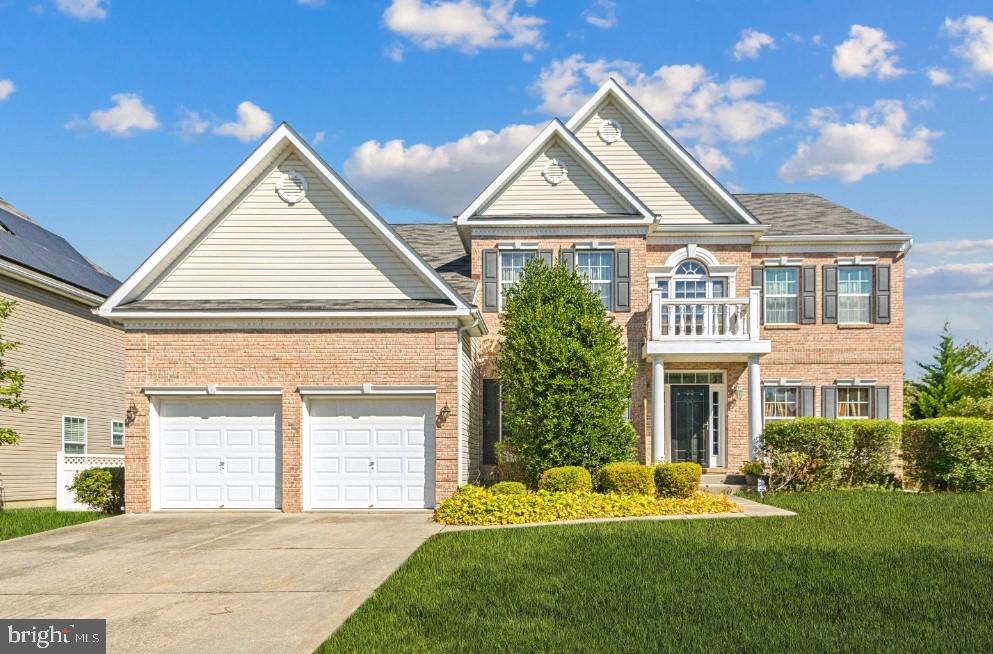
pixel 72 360
pixel 286 348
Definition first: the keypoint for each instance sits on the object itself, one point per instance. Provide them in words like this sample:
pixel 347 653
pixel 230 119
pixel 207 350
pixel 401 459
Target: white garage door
pixel 218 454
pixel 371 453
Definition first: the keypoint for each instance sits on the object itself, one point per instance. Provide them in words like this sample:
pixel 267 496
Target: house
pixel 72 360
pixel 287 348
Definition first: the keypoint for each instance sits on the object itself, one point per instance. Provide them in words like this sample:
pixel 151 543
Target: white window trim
pixel 868 295
pixel 787 385
pixel 525 250
pixel 795 296
pixel 86 432
pixel 837 402
pixel 613 272
pixel 123 434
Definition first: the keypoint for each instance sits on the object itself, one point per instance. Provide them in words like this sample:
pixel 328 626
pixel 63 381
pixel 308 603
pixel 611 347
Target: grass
pixel 21 522
pixel 853 572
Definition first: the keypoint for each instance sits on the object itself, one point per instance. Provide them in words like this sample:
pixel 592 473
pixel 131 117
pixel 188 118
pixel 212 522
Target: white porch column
pixel 754 404
pixel 658 410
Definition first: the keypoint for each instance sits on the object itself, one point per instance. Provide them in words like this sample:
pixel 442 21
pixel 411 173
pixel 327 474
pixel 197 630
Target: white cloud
pixel 956 248
pixel 602 14
pixel 314 4
pixel 817 39
pixel 878 138
pixel 191 124
pixel 468 25
pixel 977 41
pixel 319 138
pixel 84 9
pixel 687 99
pixel 394 52
pixel 939 76
pixel 751 43
pixel 712 159
pixel 128 114
pixel 866 52
pixel 440 179
pixel 252 123
pixel 7 89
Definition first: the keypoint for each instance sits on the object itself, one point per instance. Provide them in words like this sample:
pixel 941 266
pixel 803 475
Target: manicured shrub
pixel 567 479
pixel 626 479
pixel 100 488
pixel 806 452
pixel 677 479
pixel 949 453
pixel 508 488
pixel 472 505
pixel 870 461
pixel 753 468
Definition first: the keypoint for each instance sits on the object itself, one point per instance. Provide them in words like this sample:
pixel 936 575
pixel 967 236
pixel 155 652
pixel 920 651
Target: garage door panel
pixel 239 466
pixel 176 465
pixel 238 438
pixel 358 437
pixel 176 437
pixel 207 437
pixel 321 437
pixel 415 437
pixel 356 465
pixel 388 437
pixel 239 493
pixel 325 464
pixel 415 466
pixel 204 493
pixel 357 493
pixel 389 465
pixel 267 437
pixel 207 466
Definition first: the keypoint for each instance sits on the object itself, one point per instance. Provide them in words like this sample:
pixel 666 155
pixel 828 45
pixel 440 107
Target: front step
pixel 722 484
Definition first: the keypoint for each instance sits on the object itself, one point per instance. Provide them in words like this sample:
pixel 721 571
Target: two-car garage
pixel 357 452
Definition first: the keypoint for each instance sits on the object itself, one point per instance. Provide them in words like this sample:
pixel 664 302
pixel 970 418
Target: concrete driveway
pixel 209 582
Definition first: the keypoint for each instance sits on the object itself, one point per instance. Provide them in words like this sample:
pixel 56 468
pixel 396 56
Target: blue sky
pixel 118 117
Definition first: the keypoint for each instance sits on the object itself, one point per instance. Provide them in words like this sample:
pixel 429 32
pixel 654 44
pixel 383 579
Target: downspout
pixel 459 354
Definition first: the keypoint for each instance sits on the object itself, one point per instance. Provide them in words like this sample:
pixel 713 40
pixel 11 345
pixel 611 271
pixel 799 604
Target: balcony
pixel 701 329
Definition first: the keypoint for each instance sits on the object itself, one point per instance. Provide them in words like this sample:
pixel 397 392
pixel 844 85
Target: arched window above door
pixel 691 268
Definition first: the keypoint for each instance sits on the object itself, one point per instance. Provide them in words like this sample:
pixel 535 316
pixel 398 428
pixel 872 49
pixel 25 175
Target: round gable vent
pixel 292 186
pixel 554 171
pixel 609 131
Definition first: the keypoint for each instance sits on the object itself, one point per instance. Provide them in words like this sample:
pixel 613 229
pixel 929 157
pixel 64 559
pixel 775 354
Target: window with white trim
pixel 512 263
pixel 598 268
pixel 73 435
pixel 117 433
pixel 780 291
pixel 780 402
pixel 853 402
pixel 854 290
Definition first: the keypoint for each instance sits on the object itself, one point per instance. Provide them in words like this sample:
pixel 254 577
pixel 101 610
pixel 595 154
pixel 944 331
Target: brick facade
pixel 289 359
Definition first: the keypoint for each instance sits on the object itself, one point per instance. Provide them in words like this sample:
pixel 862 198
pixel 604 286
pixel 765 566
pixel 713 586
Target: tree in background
pixel 948 379
pixel 565 380
pixel 11 380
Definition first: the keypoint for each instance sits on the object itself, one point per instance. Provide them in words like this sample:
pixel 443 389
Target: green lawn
pixel 21 522
pixel 853 572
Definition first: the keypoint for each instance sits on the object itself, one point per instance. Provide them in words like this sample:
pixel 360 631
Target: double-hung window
pixel 117 433
pixel 73 435
pixel 854 291
pixel 512 263
pixel 597 266
pixel 780 402
pixel 780 296
pixel 853 402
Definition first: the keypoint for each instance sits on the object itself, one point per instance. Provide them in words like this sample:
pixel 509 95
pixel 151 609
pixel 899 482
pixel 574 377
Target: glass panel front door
pixel 690 422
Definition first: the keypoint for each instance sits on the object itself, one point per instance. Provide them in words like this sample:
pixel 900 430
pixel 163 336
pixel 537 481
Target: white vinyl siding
pixel 854 289
pixel 73 435
pixel 780 291
pixel 853 402
pixel 317 248
pixel 780 402
pixel 511 265
pixel 117 433
pixel 472 443
pixel 530 193
pixel 650 173
pixel 598 269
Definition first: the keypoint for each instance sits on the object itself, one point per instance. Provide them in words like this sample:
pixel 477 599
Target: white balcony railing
pixel 705 318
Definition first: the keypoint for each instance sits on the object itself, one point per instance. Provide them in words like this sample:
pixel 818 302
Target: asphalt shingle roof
pixel 440 246
pixel 25 242
pixel 808 214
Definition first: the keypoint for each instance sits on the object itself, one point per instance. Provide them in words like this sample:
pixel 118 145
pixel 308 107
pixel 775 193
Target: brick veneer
pixel 288 359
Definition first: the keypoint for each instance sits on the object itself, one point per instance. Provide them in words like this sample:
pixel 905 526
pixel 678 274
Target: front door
pixel 690 421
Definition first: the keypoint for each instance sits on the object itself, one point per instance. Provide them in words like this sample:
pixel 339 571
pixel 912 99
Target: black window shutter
pixel 882 303
pixel 830 304
pixel 807 401
pixel 568 259
pixel 758 279
pixel 829 401
pixel 881 402
pixel 491 280
pixel 546 257
pixel 622 280
pixel 808 295
pixel 491 420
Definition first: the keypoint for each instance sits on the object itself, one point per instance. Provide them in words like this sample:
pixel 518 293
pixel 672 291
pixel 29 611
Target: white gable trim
pixel 282 135
pixel 665 141
pixel 553 129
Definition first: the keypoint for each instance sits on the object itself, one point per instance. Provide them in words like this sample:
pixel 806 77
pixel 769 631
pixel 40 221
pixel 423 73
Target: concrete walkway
pixel 209 582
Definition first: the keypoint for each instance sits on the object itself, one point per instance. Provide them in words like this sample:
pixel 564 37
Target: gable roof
pixel 666 142
pixel 555 129
pixel 439 244
pixel 26 243
pixel 258 161
pixel 808 214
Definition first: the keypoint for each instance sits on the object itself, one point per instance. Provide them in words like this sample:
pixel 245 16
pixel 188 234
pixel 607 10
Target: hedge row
pixel 949 453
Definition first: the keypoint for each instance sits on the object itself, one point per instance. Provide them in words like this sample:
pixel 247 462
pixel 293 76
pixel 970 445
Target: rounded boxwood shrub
pixel 806 452
pixel 100 488
pixel 949 453
pixel 508 488
pixel 677 479
pixel 566 479
pixel 626 479
pixel 874 445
